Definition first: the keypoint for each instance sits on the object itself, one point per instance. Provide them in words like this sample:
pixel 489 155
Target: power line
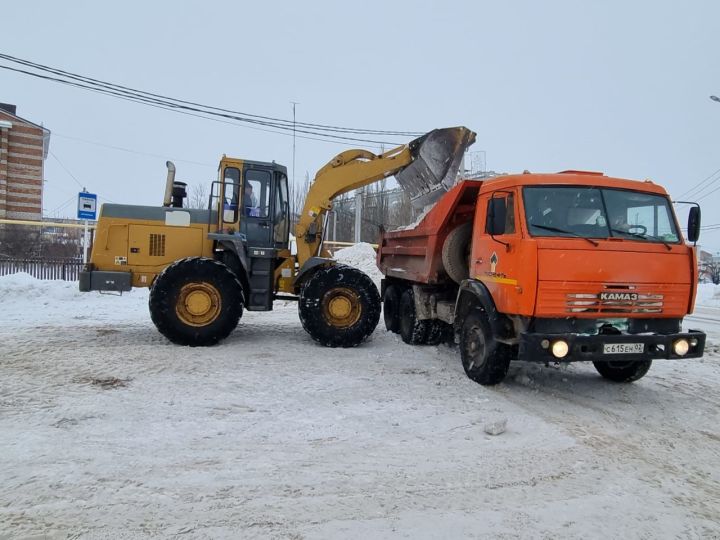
pixel 67 171
pixel 131 151
pixel 697 189
pixel 109 85
pixel 157 100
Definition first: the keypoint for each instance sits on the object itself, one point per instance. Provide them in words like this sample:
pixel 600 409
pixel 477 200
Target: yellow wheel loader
pixel 205 266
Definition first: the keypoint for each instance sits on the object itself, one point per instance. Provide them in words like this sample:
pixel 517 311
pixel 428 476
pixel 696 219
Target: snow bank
pixel 62 301
pixel 361 256
pixel 708 295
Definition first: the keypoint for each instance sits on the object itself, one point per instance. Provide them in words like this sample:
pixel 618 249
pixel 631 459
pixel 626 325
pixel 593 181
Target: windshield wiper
pixel 555 229
pixel 643 237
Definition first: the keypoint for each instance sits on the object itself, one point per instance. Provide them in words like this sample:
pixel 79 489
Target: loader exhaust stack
pixel 437 157
pixel 167 200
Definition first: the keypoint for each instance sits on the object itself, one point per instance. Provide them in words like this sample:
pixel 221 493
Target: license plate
pixel 623 348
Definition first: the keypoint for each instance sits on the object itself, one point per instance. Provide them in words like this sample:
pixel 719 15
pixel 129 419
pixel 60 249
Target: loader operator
pixel 251 202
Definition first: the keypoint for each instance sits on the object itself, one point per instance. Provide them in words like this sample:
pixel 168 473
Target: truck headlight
pixel 681 347
pixel 560 348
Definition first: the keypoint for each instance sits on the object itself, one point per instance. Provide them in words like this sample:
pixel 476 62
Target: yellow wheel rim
pixel 198 304
pixel 341 307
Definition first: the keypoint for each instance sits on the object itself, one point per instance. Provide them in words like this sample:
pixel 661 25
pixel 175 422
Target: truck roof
pixel 571 178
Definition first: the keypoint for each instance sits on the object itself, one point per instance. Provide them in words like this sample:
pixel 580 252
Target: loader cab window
pixel 256 193
pixel 282 209
pixel 231 194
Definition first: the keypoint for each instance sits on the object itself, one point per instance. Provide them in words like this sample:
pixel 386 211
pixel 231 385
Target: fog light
pixel 560 349
pixel 681 347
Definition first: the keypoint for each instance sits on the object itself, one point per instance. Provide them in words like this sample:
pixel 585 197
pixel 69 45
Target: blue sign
pixel 87 206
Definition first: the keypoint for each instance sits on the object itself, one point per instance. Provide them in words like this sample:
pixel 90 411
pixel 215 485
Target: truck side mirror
pixel 497 211
pixel 693 227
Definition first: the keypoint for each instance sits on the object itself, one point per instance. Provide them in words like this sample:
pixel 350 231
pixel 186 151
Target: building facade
pixel 23 149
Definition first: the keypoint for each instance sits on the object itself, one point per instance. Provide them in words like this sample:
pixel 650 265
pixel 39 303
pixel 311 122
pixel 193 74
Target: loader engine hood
pixel 613 280
pixel 437 156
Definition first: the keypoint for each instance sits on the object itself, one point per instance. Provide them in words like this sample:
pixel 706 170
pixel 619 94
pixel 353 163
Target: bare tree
pixel 712 271
pixel 297 195
pixel 198 196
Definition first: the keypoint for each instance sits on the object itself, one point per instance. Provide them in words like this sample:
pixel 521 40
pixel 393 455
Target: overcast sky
pixel 614 86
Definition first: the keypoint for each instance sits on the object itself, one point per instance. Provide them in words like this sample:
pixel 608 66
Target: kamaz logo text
pixel 618 296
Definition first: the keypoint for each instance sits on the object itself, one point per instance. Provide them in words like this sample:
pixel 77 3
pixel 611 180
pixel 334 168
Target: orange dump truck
pixel 574 266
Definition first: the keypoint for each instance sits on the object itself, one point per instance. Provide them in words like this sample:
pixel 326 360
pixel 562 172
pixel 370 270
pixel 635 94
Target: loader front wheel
pixel 196 301
pixel 339 306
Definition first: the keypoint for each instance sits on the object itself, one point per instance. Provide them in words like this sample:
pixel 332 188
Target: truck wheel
pixel 196 301
pixel 412 330
pixel 456 252
pixel 623 371
pixel 339 306
pixel 485 360
pixel 437 333
pixel 391 308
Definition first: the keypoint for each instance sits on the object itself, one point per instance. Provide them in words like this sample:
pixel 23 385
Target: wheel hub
pixel 198 304
pixel 341 307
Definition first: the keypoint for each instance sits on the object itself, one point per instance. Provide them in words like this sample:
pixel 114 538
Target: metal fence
pixel 68 270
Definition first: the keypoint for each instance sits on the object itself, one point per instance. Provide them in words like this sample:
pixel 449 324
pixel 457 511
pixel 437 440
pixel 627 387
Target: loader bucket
pixel 437 157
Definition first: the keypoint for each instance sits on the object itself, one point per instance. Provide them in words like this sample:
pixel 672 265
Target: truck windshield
pixel 588 212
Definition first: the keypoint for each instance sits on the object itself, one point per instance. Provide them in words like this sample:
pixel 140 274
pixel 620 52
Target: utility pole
pixel 294 103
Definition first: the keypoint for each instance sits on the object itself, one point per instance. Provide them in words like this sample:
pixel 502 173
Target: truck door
pixel 495 257
pixel 256 220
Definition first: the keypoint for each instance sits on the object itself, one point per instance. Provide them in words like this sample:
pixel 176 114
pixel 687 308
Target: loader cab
pixel 253 202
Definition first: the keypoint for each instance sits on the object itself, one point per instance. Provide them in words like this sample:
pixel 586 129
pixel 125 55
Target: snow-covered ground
pixel 109 431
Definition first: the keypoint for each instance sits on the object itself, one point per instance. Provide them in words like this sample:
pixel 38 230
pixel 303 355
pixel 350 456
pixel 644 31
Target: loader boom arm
pixel 347 171
pixel 425 168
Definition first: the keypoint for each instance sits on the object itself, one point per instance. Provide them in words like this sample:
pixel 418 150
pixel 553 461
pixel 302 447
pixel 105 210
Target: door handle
pixel 264 224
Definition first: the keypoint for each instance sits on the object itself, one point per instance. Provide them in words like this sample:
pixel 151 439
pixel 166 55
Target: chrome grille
pixel 617 299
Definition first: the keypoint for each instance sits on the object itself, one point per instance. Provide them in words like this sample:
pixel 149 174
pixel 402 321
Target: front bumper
pixel 582 347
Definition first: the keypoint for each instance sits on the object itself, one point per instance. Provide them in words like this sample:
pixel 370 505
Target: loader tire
pixel 391 308
pixel 456 252
pixel 412 330
pixel 484 360
pixel 196 301
pixel 623 372
pixel 339 306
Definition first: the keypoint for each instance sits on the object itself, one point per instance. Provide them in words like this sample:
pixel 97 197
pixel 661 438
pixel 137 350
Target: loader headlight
pixel 560 348
pixel 681 347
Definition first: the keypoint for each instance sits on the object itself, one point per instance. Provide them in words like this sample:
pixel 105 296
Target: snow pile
pixel 418 219
pixel 61 302
pixel 23 286
pixel 708 294
pixel 361 256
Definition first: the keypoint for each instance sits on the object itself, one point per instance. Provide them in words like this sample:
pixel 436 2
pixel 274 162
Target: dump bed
pixel 414 253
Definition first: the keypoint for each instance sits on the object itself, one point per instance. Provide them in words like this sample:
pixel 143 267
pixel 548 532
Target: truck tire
pixel 437 333
pixel 196 301
pixel 484 360
pixel 456 252
pixel 623 372
pixel 339 306
pixel 412 330
pixel 391 308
